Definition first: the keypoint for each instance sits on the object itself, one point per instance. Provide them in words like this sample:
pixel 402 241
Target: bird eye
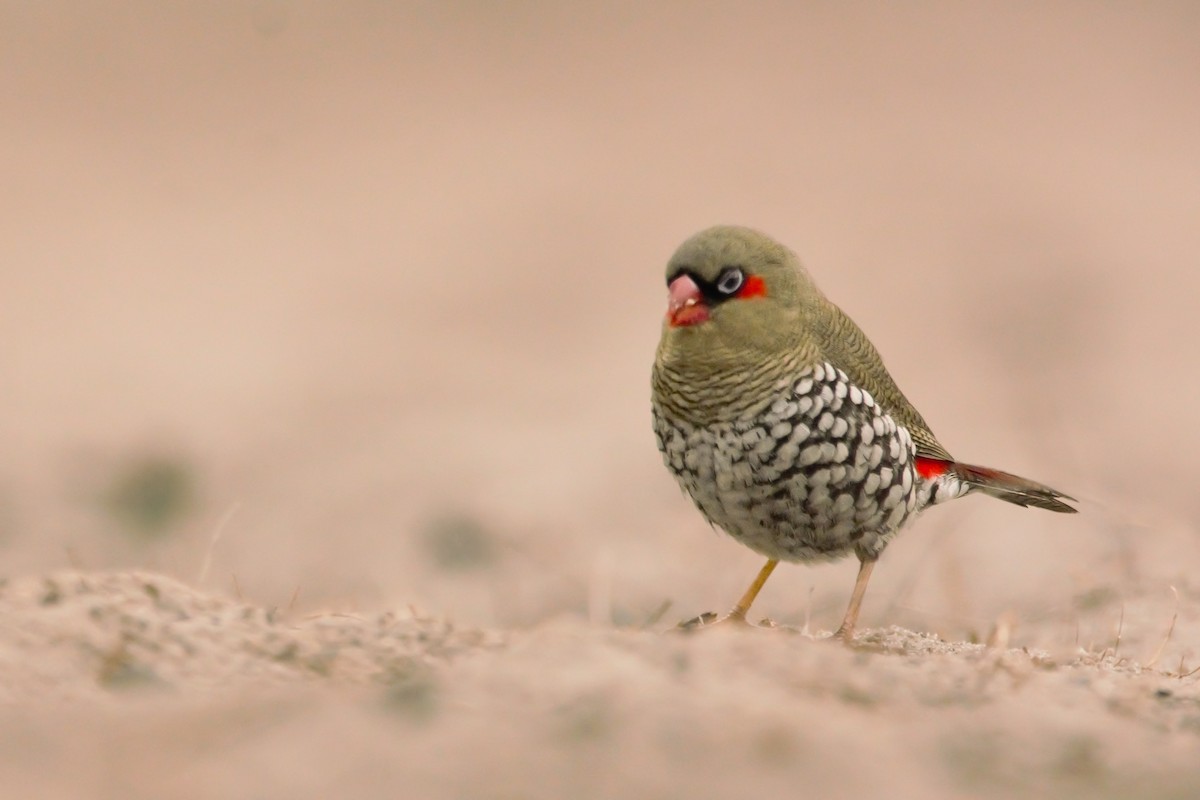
pixel 730 281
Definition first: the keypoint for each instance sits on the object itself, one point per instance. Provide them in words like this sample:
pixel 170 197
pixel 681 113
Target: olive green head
pixel 734 293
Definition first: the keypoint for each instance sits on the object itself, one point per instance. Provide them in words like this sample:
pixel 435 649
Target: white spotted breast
pixel 819 472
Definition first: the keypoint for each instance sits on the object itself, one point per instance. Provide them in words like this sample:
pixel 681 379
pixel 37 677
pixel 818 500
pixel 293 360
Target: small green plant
pixel 459 542
pixel 150 496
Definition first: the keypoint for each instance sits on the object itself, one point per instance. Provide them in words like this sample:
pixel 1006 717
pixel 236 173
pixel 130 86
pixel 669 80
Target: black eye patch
pixel 728 283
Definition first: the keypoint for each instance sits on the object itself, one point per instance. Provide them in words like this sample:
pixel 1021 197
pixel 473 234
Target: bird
pixel 776 415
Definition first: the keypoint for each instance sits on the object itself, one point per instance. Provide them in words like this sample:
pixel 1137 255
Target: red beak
pixel 685 303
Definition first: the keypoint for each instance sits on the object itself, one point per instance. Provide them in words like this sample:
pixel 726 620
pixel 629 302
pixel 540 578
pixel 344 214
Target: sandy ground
pixel 326 465
pixel 147 688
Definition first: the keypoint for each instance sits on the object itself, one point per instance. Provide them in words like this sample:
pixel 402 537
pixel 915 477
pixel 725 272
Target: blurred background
pixel 353 305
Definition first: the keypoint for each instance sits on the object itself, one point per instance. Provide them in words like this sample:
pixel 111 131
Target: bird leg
pixel 737 614
pixel 846 631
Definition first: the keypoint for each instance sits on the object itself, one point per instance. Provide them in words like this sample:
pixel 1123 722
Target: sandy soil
pixel 148 688
pixel 312 315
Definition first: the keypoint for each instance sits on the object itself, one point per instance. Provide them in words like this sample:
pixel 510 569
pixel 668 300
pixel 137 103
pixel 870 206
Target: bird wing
pixel 843 343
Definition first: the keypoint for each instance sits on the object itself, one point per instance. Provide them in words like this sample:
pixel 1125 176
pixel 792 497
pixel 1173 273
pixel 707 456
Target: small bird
pixel 777 416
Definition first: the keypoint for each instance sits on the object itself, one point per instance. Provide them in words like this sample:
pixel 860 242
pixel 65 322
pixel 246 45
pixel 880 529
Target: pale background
pixel 369 275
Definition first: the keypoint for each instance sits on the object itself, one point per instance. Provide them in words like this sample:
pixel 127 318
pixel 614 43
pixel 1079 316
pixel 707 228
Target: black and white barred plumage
pixel 821 472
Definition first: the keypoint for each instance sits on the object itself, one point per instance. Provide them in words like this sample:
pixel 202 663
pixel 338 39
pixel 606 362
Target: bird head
pixel 733 292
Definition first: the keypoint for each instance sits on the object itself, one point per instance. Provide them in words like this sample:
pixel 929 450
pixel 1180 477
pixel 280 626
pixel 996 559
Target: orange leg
pixel 738 614
pixel 846 631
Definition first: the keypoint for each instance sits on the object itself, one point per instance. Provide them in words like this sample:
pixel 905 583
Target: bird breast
pixel 815 470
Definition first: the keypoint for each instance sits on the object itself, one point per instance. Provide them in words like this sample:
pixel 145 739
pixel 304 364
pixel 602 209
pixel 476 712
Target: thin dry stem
pixel 218 531
pixel 1170 630
pixel 1120 628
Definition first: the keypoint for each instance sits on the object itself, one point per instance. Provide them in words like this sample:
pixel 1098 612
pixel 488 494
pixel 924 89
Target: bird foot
pixel 847 637
pixel 843 634
pixel 730 621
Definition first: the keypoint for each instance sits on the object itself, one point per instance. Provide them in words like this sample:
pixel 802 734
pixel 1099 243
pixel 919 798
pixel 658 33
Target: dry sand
pixel 136 685
pixel 315 314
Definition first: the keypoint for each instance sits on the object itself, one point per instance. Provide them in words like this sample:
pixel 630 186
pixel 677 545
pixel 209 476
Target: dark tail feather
pixel 1013 488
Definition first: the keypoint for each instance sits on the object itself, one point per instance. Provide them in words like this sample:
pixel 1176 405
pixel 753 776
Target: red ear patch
pixel 753 287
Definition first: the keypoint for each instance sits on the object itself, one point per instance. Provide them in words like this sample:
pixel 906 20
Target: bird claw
pixel 710 618
pixel 702 621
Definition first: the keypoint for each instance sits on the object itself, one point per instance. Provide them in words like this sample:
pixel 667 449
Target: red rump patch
pixel 929 468
pixel 753 287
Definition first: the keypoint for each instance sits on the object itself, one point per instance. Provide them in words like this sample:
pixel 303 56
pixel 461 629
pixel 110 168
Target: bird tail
pixel 1004 485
